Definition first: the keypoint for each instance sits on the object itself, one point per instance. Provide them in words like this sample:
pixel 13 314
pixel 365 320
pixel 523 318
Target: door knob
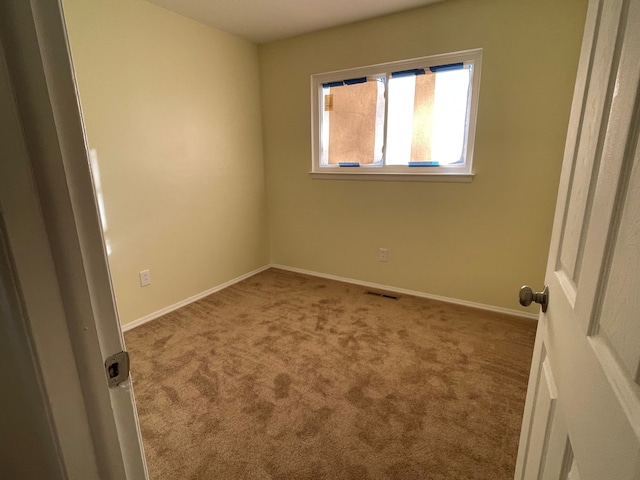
pixel 527 295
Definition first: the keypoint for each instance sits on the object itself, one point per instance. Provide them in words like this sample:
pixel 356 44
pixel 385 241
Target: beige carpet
pixel 286 376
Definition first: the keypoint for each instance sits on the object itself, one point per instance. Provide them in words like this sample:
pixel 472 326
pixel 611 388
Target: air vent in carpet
pixel 378 294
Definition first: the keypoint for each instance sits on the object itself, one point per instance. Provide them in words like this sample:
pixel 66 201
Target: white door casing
pixel 582 414
pixel 55 239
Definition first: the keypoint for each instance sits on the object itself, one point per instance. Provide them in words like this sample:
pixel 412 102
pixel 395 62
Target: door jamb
pixel 64 246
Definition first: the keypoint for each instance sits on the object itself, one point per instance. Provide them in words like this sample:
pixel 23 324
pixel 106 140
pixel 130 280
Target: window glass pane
pixel 353 123
pixel 427 117
pixel 400 123
pixel 450 115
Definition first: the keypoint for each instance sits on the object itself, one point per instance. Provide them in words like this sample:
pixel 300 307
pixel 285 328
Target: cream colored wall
pixel 172 109
pixel 478 242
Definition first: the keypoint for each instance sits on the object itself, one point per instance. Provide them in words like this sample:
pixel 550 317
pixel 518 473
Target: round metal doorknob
pixel 527 295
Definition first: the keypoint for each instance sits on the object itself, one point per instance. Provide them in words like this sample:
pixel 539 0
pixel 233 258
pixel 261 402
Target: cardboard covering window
pixel 354 116
pixel 422 118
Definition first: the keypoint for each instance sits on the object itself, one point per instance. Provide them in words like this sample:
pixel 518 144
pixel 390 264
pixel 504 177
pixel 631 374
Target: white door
pixel 582 415
pixel 49 216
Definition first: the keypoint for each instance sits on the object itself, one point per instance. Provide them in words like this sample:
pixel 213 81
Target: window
pixel 407 120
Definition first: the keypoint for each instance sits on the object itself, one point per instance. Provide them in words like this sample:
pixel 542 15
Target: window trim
pixel 441 173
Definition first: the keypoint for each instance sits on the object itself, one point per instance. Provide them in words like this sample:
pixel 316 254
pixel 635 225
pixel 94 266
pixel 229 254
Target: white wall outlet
pixel 145 278
pixel 382 255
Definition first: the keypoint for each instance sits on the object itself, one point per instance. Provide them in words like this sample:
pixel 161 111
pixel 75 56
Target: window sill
pixel 396 177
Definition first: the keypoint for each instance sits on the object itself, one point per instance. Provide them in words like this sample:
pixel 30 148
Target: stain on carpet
pixel 281 385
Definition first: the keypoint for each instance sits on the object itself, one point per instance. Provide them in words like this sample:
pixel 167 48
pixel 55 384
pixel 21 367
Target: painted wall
pixel 478 242
pixel 29 448
pixel 172 110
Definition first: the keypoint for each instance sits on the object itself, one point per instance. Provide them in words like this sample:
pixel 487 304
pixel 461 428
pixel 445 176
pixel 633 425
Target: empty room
pixel 299 300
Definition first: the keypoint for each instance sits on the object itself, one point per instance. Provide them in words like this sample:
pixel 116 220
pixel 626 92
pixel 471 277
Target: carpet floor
pixel 291 377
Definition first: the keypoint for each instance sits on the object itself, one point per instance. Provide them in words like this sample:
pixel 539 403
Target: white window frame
pixel 441 173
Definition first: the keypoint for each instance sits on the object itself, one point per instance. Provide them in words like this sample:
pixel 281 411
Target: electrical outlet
pixel 145 278
pixel 382 255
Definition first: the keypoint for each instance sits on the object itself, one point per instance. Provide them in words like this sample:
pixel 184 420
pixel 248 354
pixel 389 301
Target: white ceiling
pixel 265 20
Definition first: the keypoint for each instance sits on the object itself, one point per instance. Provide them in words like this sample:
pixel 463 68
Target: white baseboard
pixel 414 293
pixel 152 316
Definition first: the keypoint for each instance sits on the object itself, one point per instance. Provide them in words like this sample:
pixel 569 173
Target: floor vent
pixel 378 294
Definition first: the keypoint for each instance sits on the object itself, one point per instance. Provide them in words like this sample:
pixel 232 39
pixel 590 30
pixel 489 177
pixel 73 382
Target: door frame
pixel 57 250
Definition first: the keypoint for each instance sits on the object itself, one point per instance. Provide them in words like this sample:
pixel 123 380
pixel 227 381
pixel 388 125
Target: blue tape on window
pixel 349 164
pixel 340 83
pixel 424 164
pixel 445 68
pixel 353 81
pixel 406 73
